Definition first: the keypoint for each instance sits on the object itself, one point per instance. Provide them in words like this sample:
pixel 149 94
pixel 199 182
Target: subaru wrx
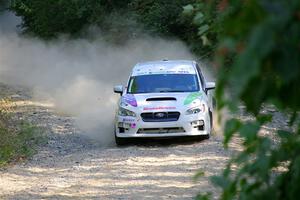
pixel 168 98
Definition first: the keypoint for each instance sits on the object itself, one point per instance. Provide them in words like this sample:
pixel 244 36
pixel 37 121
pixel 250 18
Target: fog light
pixel 197 123
pixel 124 125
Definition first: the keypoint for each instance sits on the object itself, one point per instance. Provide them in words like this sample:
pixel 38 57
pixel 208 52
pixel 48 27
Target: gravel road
pixel 71 166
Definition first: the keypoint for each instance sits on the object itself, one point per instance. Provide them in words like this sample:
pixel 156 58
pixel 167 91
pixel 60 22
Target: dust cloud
pixel 78 75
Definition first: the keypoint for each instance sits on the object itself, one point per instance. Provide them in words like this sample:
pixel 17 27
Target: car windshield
pixel 156 83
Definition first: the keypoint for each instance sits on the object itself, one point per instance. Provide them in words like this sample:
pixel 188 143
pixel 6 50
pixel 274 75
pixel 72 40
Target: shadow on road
pixel 163 142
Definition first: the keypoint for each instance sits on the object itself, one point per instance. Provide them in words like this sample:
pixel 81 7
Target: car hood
pixel 155 102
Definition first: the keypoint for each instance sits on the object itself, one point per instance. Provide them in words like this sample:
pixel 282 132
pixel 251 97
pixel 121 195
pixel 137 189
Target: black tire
pixel 211 119
pixel 121 141
pixel 214 103
pixel 206 137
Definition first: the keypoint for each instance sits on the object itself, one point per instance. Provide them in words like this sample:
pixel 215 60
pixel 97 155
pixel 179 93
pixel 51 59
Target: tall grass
pixel 18 138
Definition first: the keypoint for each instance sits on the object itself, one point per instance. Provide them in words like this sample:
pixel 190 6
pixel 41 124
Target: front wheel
pixel 121 141
pixel 211 120
pixel 205 137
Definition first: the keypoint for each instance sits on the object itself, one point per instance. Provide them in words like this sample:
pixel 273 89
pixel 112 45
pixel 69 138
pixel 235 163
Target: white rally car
pixel 166 98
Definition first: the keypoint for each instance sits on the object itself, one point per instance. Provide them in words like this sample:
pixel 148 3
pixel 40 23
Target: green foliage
pixel 169 19
pixel 260 39
pixel 268 44
pixel 2 5
pixel 202 16
pixel 52 17
pixel 117 20
pixel 160 16
pixel 19 142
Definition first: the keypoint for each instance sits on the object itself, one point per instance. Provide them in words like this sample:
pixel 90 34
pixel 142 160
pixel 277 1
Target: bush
pixel 261 41
pixel 166 19
pixel 50 18
pixel 117 20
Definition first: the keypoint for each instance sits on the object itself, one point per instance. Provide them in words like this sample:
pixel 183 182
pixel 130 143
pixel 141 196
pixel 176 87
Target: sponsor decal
pixel 130 99
pixel 133 125
pixel 161 108
pixel 183 72
pixel 191 97
pixel 128 120
pixel 164 70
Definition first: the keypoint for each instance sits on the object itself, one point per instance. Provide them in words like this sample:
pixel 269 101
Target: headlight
pixel 196 110
pixel 123 104
pixel 125 112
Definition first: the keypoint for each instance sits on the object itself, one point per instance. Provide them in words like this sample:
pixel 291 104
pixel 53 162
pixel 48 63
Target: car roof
pixel 165 66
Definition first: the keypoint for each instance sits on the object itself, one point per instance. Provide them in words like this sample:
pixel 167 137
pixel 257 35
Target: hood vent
pixel 161 99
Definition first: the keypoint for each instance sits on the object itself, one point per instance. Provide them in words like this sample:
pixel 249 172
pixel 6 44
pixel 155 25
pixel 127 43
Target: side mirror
pixel 118 89
pixel 210 85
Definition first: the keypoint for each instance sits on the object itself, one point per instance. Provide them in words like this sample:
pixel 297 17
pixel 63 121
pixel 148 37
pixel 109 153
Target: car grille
pixel 161 130
pixel 160 116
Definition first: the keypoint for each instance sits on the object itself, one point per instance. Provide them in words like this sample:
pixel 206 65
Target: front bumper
pixel 186 125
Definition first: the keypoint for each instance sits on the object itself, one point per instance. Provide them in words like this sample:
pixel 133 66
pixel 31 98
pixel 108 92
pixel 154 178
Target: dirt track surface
pixel 71 166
